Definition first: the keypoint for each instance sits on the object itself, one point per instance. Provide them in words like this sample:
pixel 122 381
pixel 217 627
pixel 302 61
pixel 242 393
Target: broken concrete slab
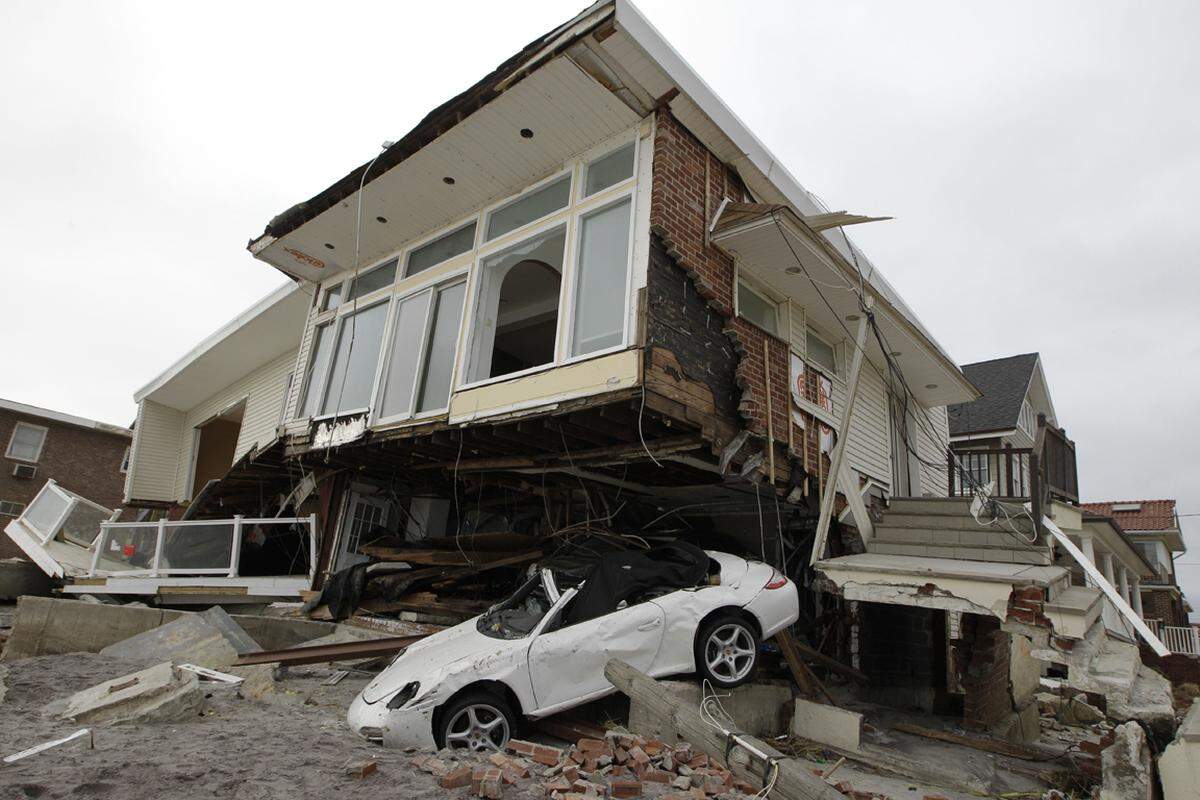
pixel 233 632
pixel 759 709
pixel 1125 766
pixel 51 626
pixel 192 638
pixel 157 694
pixel 827 724
pixel 1179 765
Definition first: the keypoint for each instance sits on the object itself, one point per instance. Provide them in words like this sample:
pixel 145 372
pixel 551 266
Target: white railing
pixel 1154 625
pixel 1179 639
pixel 191 547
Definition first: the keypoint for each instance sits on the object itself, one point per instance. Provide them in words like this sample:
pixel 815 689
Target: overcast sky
pixel 1041 159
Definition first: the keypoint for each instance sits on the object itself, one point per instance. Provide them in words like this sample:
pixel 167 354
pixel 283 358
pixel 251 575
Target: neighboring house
pixel 994 435
pixel 1153 526
pixel 82 455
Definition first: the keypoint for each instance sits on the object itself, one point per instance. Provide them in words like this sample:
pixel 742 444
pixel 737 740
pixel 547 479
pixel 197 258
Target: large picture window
pixel 600 279
pixel 352 371
pixel 420 359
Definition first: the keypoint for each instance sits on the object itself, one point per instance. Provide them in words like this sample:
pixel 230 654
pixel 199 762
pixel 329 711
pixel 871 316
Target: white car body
pixel 547 672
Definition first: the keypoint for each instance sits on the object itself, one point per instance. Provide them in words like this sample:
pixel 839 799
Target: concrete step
pixel 951 522
pixel 1005 555
pixel 976 536
pixel 930 505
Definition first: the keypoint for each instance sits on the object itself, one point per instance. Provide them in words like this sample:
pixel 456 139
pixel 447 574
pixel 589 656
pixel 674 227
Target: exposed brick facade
pixel 982 656
pixel 1163 605
pixel 679 216
pixel 84 460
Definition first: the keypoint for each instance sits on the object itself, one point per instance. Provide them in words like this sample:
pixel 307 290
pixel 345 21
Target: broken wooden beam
pixel 325 653
pixel 747 757
pixel 989 744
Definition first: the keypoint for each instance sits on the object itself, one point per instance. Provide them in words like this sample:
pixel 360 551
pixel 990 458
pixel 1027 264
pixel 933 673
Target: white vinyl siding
pixel 933 451
pixel 869 448
pixel 263 391
pixel 155 457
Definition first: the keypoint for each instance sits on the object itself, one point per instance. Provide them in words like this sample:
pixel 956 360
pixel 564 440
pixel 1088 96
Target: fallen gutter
pixel 322 654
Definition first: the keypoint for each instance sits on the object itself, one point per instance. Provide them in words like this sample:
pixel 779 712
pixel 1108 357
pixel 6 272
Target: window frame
pixel 45 431
pixel 832 372
pixel 433 288
pixel 440 233
pixel 582 195
pixel 125 459
pixel 519 233
pixel 20 508
pixel 365 304
pixel 766 295
pixel 584 209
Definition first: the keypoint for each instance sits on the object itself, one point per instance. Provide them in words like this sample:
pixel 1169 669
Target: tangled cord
pixel 713 714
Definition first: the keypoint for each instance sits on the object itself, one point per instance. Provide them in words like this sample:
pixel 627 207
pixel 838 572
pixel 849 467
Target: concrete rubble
pixel 1128 772
pixel 160 693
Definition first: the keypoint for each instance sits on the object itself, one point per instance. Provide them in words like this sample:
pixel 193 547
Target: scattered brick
pixel 656 775
pixel 361 768
pixel 638 756
pixel 699 761
pixel 456 778
pixel 625 788
pixel 558 785
pixel 491 784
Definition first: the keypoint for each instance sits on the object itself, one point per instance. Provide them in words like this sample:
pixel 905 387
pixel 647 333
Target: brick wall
pixel 1163 605
pixel 982 656
pixel 679 217
pixel 86 461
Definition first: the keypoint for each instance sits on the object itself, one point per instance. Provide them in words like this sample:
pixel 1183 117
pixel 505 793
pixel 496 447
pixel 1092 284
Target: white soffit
pixel 485 154
pixel 257 336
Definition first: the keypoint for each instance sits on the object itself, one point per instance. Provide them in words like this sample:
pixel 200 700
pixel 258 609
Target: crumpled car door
pixel 567 665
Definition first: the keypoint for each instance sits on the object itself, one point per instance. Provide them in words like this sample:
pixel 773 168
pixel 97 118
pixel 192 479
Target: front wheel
pixel 727 651
pixel 478 721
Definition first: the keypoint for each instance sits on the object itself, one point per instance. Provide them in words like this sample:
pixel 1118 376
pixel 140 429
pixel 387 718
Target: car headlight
pixel 404 695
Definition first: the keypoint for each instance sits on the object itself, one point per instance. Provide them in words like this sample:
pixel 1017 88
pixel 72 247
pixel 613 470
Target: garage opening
pixel 216 443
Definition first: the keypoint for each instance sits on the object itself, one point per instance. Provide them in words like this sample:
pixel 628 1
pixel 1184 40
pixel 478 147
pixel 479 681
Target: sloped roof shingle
pixel 1003 383
pixel 1154 515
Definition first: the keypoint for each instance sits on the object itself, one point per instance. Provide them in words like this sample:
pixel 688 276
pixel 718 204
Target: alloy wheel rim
pixel 479 727
pixel 729 652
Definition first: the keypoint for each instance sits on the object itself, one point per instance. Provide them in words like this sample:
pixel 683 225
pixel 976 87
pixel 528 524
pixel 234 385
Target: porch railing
pixel 1009 468
pixel 191 547
pixel 1058 469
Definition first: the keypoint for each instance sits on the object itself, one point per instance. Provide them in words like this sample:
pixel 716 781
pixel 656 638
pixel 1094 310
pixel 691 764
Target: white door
pixel 362 514
pixel 567 664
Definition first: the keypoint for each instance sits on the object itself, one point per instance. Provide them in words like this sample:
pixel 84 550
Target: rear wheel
pixel 476 721
pixel 727 650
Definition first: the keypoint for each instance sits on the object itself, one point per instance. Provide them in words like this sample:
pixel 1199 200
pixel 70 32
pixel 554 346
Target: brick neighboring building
pixel 85 456
pixel 1153 526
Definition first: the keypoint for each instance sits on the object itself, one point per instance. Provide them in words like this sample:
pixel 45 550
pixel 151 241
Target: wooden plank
pixel 805 679
pixel 986 743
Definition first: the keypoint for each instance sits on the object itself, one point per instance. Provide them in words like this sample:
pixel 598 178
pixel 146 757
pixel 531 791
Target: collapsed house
pixel 578 306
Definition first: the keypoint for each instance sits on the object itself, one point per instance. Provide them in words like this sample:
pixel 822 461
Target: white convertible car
pixel 675 609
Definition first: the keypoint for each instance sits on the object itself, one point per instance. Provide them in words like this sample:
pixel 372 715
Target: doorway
pixel 365 519
pixel 215 445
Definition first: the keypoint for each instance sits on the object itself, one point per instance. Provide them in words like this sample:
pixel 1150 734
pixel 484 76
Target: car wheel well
pixel 732 611
pixel 497 688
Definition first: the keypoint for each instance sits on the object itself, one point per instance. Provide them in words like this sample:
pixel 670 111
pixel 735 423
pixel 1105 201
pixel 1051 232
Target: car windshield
pixel 517 616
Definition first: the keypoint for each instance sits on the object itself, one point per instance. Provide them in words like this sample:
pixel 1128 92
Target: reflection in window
pixel 440 249
pixel 317 364
pixel 609 170
pixel 405 354
pixel 367 282
pixel 353 369
pixel 517 317
pixel 439 358
pixel 333 297
pixel 758 309
pixel 529 207
pixel 820 352
pixel 600 284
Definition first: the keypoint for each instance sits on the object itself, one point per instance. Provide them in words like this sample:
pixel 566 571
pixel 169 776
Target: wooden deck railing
pixel 1058 462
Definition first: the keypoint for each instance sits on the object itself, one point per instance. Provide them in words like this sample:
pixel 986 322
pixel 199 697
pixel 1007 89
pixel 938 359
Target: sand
pixel 294 745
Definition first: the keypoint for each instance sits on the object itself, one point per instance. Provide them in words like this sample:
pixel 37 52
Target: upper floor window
pixel 820 352
pixel 441 249
pixel 754 305
pixel 529 207
pixel 26 442
pixel 125 462
pixel 1026 420
pixel 419 363
pixel 609 170
pixel 342 368
pixel 11 508
pixel 373 280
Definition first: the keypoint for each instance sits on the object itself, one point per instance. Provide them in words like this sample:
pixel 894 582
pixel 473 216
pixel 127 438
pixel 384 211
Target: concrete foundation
pixel 190 639
pixel 759 709
pixel 828 725
pixel 1179 765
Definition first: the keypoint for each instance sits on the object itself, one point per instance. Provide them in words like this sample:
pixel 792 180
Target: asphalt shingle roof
pixel 1003 383
pixel 1154 515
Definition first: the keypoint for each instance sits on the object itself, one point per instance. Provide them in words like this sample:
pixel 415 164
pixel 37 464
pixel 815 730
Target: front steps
pixel 942 527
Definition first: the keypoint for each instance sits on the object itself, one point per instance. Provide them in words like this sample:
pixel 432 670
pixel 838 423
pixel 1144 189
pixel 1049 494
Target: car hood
pixel 433 653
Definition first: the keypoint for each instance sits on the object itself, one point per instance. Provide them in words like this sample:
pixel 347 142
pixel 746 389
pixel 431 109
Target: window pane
pixel 333 297
pixel 609 170
pixel 600 286
pixel 354 360
pixel 440 249
pixel 405 352
pixel 26 442
pixel 44 511
pixel 381 276
pixel 316 369
pixel 439 360
pixel 534 205
pixel 820 353
pixel 516 322
pixel 757 309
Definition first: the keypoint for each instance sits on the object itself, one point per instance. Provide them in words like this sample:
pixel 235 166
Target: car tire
pixel 727 650
pixel 478 721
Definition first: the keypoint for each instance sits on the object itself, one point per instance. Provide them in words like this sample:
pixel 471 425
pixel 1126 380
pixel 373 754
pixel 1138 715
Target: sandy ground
pixel 294 745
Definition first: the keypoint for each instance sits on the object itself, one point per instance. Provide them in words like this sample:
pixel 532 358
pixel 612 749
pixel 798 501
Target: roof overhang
pixel 66 419
pixel 260 334
pixel 773 239
pixel 1172 539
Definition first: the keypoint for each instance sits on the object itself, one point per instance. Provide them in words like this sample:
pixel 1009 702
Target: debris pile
pixel 621 765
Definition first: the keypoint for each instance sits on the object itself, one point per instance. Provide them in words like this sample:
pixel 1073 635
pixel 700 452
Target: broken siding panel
pixel 262 390
pixel 154 460
pixel 300 363
pixel 932 451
